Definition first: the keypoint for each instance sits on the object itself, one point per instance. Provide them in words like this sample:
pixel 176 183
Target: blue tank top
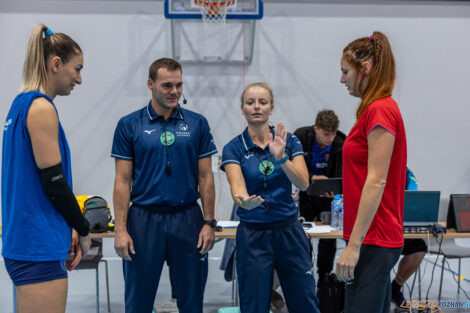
pixel 32 228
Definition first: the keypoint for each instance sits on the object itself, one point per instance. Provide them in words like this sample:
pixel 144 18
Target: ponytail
pixel 44 43
pixel 34 68
pixel 375 49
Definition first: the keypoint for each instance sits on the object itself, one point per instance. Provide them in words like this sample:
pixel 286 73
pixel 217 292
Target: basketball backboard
pixel 227 41
pixel 188 9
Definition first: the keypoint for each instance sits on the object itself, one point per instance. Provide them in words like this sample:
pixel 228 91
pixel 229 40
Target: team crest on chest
pixel 167 138
pixel 266 167
pixel 183 130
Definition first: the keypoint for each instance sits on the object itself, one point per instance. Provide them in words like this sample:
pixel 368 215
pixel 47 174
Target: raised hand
pixel 277 144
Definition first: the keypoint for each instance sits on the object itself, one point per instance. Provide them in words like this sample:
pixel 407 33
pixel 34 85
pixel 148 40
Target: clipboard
pixel 321 186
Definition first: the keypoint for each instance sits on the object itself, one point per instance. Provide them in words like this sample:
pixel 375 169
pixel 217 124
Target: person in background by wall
pixel 41 218
pixel 374 172
pixel 322 144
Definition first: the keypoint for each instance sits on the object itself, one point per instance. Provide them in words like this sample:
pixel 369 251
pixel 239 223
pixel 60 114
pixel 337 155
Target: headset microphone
pixel 184 99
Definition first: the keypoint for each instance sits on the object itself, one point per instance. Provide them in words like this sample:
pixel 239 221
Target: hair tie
pixel 48 32
pixel 371 36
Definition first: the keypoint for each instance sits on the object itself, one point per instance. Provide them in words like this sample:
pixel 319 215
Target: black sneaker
pixel 397 295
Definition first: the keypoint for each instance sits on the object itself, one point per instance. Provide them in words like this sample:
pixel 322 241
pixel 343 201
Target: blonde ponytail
pixel 44 43
pixel 34 68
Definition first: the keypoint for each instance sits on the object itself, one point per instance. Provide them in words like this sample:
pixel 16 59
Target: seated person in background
pixel 323 145
pixel 413 253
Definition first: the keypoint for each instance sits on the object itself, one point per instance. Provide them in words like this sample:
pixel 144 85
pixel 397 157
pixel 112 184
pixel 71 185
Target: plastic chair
pixel 449 250
pixel 91 261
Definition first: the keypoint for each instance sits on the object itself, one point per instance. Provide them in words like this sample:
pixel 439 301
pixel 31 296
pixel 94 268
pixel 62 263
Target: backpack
pixel 81 202
pixel 96 211
pixel 331 295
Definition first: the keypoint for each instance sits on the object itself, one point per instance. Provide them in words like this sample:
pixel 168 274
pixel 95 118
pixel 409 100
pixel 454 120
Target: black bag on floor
pixel 331 294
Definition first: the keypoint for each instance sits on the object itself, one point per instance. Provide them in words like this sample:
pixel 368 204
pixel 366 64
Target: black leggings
pixel 370 290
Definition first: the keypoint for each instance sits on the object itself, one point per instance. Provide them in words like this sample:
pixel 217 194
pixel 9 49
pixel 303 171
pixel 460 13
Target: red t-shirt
pixel 386 229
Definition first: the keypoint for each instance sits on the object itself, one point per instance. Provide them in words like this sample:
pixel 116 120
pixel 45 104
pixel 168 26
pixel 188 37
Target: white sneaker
pixel 166 307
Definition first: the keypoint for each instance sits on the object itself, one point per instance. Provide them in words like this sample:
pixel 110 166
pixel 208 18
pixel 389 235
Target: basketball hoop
pixel 214 12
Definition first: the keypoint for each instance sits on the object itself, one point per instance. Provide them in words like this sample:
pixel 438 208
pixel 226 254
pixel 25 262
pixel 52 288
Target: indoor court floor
pixel 81 298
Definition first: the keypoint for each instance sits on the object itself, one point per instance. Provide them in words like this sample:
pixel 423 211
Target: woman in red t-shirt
pixel 374 173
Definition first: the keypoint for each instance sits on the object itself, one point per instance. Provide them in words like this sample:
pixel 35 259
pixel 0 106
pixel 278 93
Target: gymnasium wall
pixel 297 50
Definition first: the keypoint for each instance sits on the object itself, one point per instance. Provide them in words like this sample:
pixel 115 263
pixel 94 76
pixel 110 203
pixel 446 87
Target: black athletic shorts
pixel 414 245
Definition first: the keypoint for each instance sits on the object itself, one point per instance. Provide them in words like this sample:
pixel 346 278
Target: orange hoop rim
pixel 213 7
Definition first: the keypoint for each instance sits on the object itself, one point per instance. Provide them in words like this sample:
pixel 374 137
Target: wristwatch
pixel 282 160
pixel 211 223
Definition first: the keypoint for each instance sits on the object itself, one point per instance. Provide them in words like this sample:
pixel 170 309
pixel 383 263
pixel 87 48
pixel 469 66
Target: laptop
pixel 458 215
pixel 321 186
pixel 421 208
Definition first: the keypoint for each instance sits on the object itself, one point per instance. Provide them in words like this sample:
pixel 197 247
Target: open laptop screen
pixel 421 207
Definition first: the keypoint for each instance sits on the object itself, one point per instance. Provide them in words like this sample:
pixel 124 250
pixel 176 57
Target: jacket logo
pixel 149 131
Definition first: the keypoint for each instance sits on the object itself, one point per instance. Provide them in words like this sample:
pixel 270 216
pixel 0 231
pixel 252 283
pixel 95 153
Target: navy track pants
pixel 283 246
pixel 159 235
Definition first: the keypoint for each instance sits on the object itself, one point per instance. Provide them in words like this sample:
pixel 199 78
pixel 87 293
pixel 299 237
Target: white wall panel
pixel 297 51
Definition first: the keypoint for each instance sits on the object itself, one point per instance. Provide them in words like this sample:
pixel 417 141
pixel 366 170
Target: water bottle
pixel 340 216
pixel 334 220
pixel 335 211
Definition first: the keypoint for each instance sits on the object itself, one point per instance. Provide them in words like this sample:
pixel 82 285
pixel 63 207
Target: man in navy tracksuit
pixel 163 165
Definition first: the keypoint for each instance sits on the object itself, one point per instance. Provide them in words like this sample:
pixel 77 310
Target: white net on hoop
pixel 214 12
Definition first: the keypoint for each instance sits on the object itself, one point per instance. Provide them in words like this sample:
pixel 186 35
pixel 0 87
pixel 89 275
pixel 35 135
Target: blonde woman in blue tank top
pixel 40 216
